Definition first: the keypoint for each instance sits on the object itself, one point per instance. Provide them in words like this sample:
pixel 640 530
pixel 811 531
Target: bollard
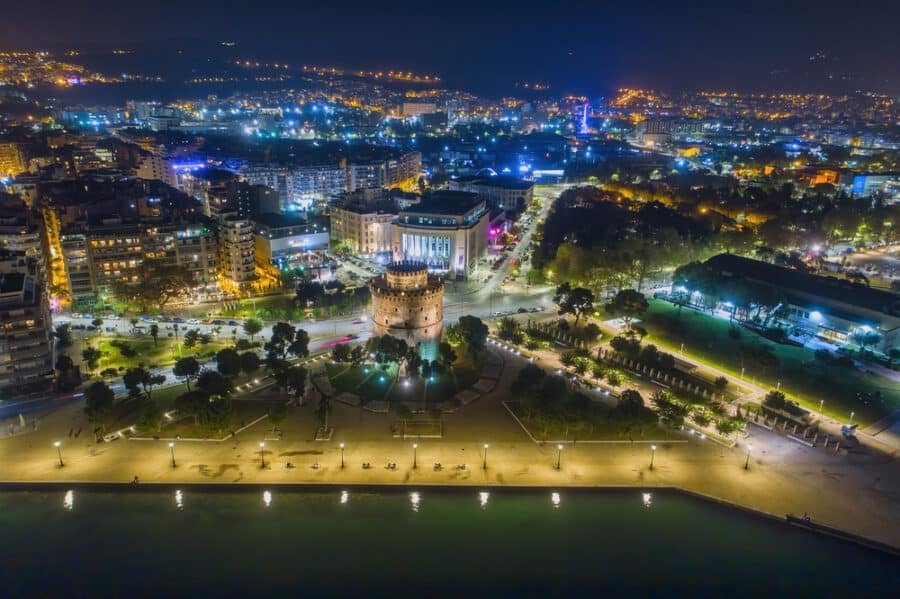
pixel 837 446
pixel 827 439
pixel 795 428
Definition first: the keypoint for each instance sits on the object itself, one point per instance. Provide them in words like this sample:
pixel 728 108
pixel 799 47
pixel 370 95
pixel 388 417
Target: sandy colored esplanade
pixel 857 492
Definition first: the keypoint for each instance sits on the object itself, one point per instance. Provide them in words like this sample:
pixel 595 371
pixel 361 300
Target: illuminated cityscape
pixel 451 299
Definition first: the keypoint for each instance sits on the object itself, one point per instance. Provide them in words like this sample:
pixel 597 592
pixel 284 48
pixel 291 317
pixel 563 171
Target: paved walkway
pixel 858 492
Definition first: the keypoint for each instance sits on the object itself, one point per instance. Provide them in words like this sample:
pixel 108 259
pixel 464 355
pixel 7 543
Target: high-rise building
pixel 26 339
pixel 236 253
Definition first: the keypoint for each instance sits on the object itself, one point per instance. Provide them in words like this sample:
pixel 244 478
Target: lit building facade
pixel 363 230
pixel 448 231
pixel 236 254
pixel 26 337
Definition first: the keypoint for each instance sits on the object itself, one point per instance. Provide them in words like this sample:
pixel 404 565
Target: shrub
pixel 721 383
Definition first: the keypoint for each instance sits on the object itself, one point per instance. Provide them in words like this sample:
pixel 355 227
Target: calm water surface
pixel 232 544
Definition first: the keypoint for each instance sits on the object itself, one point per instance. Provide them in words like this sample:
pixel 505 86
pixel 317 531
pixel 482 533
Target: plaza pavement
pixel 857 492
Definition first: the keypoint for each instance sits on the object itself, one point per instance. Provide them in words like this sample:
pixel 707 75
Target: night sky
pixel 587 47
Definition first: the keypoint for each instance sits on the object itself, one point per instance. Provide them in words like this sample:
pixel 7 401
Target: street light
pixel 558 455
pixel 415 447
pixel 262 455
pixel 57 445
pixel 821 403
pixel 484 459
pixel 172 449
pixel 747 463
pixel 342 455
pixel 652 455
pixel 852 414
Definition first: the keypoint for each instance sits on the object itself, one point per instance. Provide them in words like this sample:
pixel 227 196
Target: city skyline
pixel 489 48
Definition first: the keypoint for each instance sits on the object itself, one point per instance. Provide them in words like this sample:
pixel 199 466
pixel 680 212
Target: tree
pixel 577 301
pixel 139 379
pixel 631 401
pixel 213 383
pixel 154 332
pixel 133 322
pixel 187 369
pixel 67 377
pixel 300 345
pixel 64 363
pixel 91 356
pixel 628 304
pixel 252 327
pixel 285 339
pixel 156 284
pixel 151 416
pixel 97 322
pixel 507 327
pixel 866 337
pixel 447 354
pixel 775 400
pixel 191 338
pixel 98 399
pixel 413 360
pixel 63 334
pixel 249 362
pixel 193 403
pixel 674 412
pixel 295 380
pixel 474 331
pixel 358 355
pixel 341 353
pixel 228 362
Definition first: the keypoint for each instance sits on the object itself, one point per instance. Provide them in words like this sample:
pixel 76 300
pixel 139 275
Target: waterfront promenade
pixel 859 493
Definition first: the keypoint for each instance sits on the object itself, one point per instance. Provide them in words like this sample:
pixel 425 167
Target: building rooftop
pixel 274 220
pixel 406 266
pixel 446 202
pixel 497 181
pixel 828 288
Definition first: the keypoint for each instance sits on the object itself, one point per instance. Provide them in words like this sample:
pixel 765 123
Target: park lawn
pixel 245 412
pixel 802 378
pixel 271 306
pixel 346 378
pixel 375 386
pixel 413 392
pixel 150 354
pixel 601 424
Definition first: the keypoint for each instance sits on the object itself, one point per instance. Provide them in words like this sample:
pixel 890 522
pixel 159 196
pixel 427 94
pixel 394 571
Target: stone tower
pixel 408 303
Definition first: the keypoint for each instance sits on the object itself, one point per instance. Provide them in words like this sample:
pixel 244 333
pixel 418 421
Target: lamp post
pixel 821 403
pixel 172 449
pixel 415 447
pixel 652 455
pixel 57 445
pixel 558 455
pixel 262 455
pixel 852 414
pixel 484 458
pixel 342 455
pixel 747 463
